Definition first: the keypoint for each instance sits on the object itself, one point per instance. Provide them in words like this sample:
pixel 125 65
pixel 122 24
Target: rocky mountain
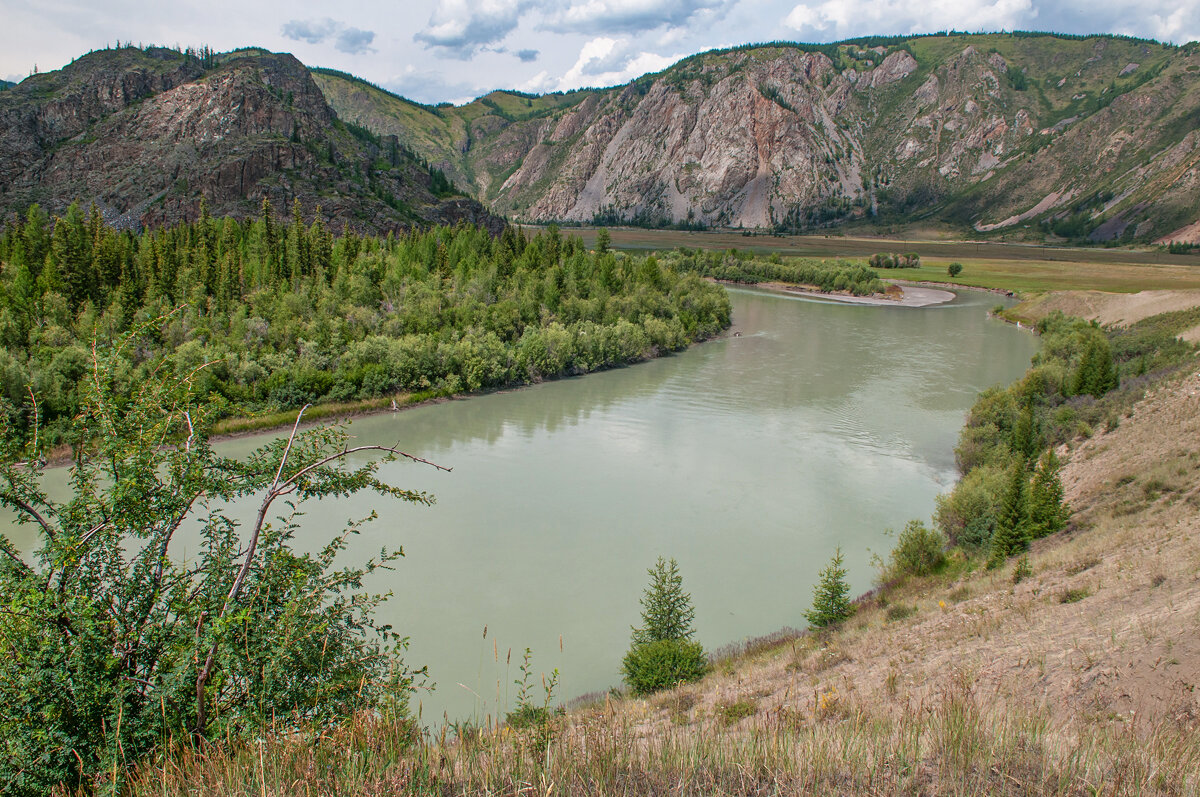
pixel 1015 135
pixel 145 134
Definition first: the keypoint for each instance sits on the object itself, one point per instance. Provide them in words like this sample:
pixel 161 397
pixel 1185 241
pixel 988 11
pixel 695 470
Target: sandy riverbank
pixel 912 296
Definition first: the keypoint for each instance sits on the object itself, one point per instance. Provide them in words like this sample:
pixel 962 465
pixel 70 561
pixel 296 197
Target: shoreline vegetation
pixel 903 696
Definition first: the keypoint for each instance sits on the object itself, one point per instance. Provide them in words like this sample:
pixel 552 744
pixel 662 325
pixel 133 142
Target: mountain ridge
pixel 1087 138
pixel 145 135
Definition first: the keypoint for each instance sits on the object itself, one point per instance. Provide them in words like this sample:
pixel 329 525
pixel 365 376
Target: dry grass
pixel 979 686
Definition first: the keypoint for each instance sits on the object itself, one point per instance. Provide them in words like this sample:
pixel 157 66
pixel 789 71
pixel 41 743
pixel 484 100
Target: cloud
pixel 353 41
pixel 835 19
pixel 313 31
pixel 432 86
pixel 629 16
pixel 528 56
pixel 604 61
pixel 460 28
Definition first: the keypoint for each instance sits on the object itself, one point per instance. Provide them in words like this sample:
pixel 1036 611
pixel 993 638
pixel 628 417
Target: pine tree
pixel 831 595
pixel 1026 437
pixel 1012 522
pixel 1047 512
pixel 667 611
pixel 662 653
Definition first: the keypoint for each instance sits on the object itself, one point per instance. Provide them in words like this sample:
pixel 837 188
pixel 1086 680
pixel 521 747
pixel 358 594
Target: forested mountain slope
pixel 145 134
pixel 1089 138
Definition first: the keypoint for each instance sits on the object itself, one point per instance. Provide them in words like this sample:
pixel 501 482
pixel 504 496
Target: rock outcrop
pixel 146 134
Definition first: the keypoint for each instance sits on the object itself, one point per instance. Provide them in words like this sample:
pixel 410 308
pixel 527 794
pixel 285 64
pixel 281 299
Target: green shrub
pixel 954 269
pixel 663 664
pixel 919 550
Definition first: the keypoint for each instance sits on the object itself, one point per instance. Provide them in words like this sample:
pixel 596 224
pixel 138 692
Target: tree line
pixel 276 312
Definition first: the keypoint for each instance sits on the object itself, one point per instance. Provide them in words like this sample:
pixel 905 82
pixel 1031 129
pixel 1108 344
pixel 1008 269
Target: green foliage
pixel 734 266
pixel 1096 374
pixel 662 664
pixel 1021 570
pixel 1012 521
pixel 919 551
pixel 1047 512
pixel 111 644
pixel 533 721
pixel 286 313
pixel 667 611
pixel 662 653
pixel 831 596
pixel 889 261
pixel 954 269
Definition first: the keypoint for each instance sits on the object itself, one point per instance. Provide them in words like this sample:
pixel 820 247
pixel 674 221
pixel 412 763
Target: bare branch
pixel 276 490
pixel 17 503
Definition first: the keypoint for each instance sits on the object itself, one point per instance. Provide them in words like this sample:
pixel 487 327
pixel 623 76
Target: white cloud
pixel 629 16
pixel 350 40
pixel 848 18
pixel 604 61
pixel 460 28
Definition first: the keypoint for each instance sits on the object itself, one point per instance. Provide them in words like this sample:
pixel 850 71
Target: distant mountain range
pixel 1014 135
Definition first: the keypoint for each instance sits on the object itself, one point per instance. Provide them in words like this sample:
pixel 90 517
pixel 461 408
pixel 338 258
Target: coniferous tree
pixel 1012 522
pixel 831 595
pixel 1026 437
pixel 662 652
pixel 1047 512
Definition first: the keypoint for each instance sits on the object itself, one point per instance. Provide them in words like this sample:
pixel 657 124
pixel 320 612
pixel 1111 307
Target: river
pixel 749 459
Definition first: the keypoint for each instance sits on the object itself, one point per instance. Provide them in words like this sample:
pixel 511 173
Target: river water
pixel 749 459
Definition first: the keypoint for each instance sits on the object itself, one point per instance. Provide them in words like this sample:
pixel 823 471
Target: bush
pixel 954 269
pixel 134 646
pixel 663 664
pixel 919 550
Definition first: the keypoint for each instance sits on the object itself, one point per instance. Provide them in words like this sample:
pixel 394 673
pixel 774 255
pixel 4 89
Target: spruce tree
pixel 662 653
pixel 667 611
pixel 831 595
pixel 1047 512
pixel 1012 522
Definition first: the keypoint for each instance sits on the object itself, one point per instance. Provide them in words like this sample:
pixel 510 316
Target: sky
pixel 455 50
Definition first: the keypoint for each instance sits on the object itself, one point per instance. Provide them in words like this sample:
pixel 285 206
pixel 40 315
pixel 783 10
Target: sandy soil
pixel 1118 309
pixel 912 296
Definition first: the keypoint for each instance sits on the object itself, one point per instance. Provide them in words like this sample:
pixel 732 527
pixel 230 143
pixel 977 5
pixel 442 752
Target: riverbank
pixel 911 295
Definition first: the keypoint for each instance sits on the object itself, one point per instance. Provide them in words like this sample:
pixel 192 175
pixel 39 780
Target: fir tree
pixel 662 653
pixel 1012 522
pixel 831 595
pixel 1047 512
pixel 667 611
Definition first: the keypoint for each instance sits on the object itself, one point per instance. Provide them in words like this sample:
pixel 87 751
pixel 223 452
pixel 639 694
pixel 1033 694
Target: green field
pixel 1005 266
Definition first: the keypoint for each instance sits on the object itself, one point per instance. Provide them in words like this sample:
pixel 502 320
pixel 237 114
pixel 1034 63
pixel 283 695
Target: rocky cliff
pixel 996 134
pixel 145 134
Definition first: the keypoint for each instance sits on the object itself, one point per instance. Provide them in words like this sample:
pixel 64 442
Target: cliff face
pixel 146 134
pixel 1095 137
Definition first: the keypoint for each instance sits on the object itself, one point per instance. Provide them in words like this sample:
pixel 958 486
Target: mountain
pixel 146 134
pixel 6 84
pixel 1014 135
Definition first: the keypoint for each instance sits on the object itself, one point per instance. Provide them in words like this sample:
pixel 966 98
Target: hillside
pixel 145 134
pixel 1094 138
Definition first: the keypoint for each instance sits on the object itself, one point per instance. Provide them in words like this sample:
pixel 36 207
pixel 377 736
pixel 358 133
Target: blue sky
pixel 453 50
